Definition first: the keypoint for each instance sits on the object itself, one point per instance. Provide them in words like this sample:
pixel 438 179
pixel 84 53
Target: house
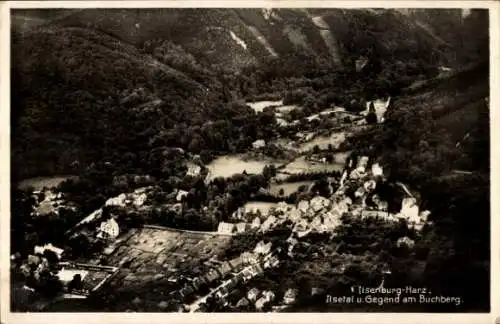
pixel 316 291
pixel 300 226
pixel 212 275
pixel 248 258
pixel 267 297
pixel 290 296
pixel 362 163
pixel 370 185
pixel 180 195
pixel 259 144
pixel 418 227
pixel 67 275
pixel 318 203
pixel 303 233
pixel 253 294
pixel 293 214
pixel 262 248
pixel 187 290
pixel 360 192
pixel 246 274
pixel 243 302
pixel 405 241
pixel 177 208
pixel 117 201
pixel 271 262
pixel 300 135
pixel 241 227
pixel 239 213
pixel 282 207
pixel 331 222
pixel 109 229
pixel 193 170
pixel 361 63
pixel 256 269
pixel 197 283
pixel 260 303
pixel 236 263
pixel 49 247
pixel 268 223
pixel 303 206
pixel 374 214
pixel 377 170
pixel 225 228
pixel 310 136
pixel 383 205
pixel 225 268
pixel 409 209
pixel 34 259
pixel 315 223
pixel 424 215
pixel 223 291
pixel 139 199
pixel 357 174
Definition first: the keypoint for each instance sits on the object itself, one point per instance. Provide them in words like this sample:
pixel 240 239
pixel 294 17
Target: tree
pixel 76 283
pixel 205 156
pixel 371 118
pixel 269 171
pixel 51 256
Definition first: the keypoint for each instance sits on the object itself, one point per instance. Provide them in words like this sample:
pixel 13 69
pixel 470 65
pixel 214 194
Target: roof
pixel 50 247
pixel 253 291
pixel 66 275
pixel 225 228
pixel 110 227
pixel 240 227
pixel 181 194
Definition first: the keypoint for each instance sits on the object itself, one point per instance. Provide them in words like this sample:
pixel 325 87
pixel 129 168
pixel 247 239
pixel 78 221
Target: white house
pixel 66 275
pixel 252 294
pixel 181 194
pixel 268 223
pixel 256 222
pixel 290 296
pixel 405 241
pixel 318 203
pixel 262 248
pixel 303 206
pixel 259 144
pixel 109 229
pixel 225 228
pixel 370 185
pixel 377 170
pixel 117 201
pixel 50 247
pixel 193 170
pixel 362 163
pixel 409 209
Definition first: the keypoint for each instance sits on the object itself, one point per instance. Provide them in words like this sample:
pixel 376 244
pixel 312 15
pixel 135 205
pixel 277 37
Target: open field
pixel 288 187
pixel 323 142
pixel 39 183
pixel 226 166
pixel 301 165
pixel 260 105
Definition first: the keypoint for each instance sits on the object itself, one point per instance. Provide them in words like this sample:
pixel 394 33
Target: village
pixel 189 263
pixel 189 260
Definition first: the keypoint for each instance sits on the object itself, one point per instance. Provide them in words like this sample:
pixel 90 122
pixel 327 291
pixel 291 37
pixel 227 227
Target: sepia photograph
pixel 249 160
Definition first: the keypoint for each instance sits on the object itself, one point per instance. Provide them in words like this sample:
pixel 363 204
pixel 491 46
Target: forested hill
pixel 91 85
